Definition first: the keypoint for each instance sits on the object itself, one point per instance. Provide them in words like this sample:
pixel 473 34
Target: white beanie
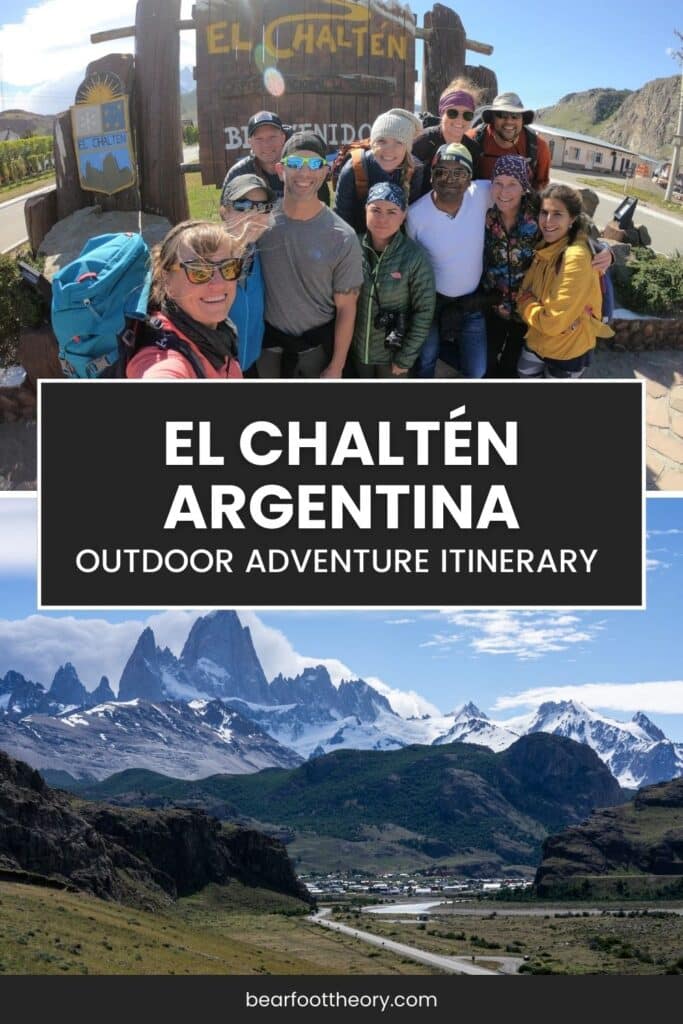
pixel 396 124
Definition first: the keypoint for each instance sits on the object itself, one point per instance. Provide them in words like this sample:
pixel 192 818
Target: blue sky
pixel 505 661
pixel 542 51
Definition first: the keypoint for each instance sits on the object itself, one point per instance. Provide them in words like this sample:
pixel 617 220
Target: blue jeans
pixel 466 353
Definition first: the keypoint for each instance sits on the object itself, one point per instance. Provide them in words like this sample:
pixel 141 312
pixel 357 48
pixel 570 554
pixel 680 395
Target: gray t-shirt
pixel 304 262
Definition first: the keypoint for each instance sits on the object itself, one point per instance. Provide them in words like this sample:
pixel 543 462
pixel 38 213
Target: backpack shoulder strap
pixel 154 332
pixel 360 172
pixel 531 147
pixel 170 340
pixel 481 135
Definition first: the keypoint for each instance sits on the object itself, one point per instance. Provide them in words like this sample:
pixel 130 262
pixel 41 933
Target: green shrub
pixel 19 307
pixel 652 284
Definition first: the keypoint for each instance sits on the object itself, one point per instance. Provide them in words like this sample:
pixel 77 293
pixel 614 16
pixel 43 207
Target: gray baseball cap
pixel 238 187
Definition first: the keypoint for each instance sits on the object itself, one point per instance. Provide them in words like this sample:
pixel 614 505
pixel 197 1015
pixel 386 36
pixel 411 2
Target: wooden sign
pixel 328 65
pixel 100 123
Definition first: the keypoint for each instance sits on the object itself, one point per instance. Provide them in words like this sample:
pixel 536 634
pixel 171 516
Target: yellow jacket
pixel 561 301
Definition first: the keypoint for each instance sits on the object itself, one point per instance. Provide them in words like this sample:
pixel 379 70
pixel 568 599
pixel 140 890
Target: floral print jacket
pixel 507 257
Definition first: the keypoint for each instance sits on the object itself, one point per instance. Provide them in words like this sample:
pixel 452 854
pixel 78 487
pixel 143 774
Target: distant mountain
pixel 48 837
pixel 186 740
pixel 188 104
pixel 307 714
pixel 636 849
pixel 462 802
pixel 637 752
pixel 21 121
pixel 644 120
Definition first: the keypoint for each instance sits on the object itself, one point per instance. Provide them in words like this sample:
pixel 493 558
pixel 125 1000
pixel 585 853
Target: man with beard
pixel 312 270
pixel 449 224
pixel 505 133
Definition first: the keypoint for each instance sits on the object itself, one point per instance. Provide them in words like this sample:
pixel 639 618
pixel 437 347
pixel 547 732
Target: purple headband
pixel 455 99
pixel 514 167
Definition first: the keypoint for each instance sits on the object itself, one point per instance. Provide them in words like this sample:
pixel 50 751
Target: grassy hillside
pixel 222 930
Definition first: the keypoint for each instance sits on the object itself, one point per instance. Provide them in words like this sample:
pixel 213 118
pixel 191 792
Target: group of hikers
pixel 442 242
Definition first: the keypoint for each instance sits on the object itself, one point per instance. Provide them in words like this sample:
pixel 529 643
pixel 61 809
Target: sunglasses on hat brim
pixel 202 272
pixel 297 162
pixel 453 112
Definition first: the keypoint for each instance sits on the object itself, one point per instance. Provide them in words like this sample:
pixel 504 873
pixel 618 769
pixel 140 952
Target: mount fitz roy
pixel 212 710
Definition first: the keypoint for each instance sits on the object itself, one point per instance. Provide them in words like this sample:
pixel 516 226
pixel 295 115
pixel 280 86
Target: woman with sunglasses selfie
pixel 247 204
pixel 194 280
pixel 456 112
pixel 388 159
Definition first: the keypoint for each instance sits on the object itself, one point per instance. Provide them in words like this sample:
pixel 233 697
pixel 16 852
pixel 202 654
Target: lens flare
pixel 274 82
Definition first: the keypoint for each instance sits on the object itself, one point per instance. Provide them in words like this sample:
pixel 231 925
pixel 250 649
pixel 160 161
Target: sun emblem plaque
pixel 100 123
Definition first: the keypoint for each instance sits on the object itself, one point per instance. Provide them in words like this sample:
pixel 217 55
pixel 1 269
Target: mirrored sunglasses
pixel 453 112
pixel 201 273
pixel 297 162
pixel 251 205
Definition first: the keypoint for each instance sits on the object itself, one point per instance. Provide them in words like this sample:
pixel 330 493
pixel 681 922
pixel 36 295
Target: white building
pixel 577 152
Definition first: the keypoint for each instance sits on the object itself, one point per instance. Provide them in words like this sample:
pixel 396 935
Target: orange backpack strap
pixel 360 172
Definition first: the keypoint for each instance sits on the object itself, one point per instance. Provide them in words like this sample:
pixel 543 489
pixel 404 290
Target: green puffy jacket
pixel 403 280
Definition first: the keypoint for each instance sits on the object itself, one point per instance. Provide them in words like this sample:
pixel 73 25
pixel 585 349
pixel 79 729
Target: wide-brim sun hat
pixel 507 103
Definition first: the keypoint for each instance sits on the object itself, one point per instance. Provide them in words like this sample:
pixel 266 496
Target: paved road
pixel 666 229
pixel 12 224
pixel 451 964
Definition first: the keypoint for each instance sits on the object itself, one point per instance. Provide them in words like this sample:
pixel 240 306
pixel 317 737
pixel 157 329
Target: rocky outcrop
pixel 184 740
pixel 129 855
pixel 220 658
pixel 557 779
pixel 142 676
pixel 643 120
pixel 101 694
pixel 643 837
pixel 67 689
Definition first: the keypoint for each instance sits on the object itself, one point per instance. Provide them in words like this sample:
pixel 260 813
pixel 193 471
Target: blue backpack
pixel 93 299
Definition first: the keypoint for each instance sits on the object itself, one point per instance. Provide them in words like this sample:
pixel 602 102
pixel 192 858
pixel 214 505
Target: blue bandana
pixel 389 193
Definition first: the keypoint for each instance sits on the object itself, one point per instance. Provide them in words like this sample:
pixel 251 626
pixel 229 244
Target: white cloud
pixel 664 698
pixel 276 653
pixel 443 640
pixel 652 564
pixel 44 56
pixel 38 645
pixel 519 634
pixel 18 535
pixel 406 703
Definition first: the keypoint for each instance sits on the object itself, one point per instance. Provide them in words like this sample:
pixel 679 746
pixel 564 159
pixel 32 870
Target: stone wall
pixel 647 334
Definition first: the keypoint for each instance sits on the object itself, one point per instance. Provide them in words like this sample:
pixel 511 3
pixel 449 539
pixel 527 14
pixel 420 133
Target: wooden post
pixel 70 195
pixel 444 54
pixel 40 214
pixel 486 79
pixel 157 107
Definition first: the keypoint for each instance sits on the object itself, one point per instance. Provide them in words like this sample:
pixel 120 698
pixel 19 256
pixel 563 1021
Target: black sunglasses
pixel 453 112
pixel 251 205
